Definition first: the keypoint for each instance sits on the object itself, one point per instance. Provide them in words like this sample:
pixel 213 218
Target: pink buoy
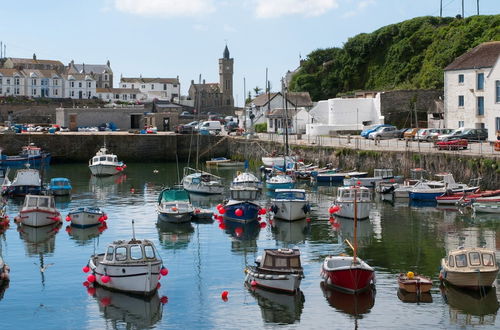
pixel 238 212
pixel 219 206
pixel 222 210
pixel 68 218
pixel 164 271
pixel 222 226
pixel 91 291
pixel 86 269
pixel 158 285
pixel 253 283
pixel 308 219
pixel 224 295
pixel 263 225
pixel 164 300
pixel 105 279
pixel 86 284
pixel 358 183
pixel 105 217
pixel 91 278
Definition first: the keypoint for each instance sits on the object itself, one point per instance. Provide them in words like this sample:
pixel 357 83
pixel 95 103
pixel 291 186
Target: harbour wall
pixel 463 167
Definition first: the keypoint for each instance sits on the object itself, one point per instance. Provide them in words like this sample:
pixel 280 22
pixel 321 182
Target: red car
pixel 452 144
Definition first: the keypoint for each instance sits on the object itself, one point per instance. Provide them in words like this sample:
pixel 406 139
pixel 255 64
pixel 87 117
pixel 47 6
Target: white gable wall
pixel 492 102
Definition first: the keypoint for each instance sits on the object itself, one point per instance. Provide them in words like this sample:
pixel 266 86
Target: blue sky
pixel 185 38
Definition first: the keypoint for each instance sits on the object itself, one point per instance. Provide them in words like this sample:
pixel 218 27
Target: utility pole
pixel 477 3
pixel 463 9
pixel 245 106
pixel 441 8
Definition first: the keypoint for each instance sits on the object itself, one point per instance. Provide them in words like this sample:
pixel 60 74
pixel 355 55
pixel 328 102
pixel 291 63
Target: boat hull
pixel 84 219
pixel 203 189
pixel 141 279
pixel 490 207
pixel 104 169
pixel 274 186
pixel 289 209
pixel 24 190
pixel 286 282
pixel 175 217
pixel 20 161
pixel 38 217
pixel 339 272
pixel 416 285
pixel 60 192
pixel 250 211
pixel 471 280
pixel 347 209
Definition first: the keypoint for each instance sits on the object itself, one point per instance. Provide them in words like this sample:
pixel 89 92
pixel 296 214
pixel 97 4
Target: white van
pixel 212 126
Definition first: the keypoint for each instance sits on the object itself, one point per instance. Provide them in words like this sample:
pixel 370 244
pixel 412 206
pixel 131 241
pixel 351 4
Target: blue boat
pixel 333 176
pixel 29 154
pixel 27 181
pixel 241 207
pixel 280 181
pixel 60 186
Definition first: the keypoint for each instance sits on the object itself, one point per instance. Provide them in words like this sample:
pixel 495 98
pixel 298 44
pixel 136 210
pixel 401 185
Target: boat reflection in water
pixel 413 297
pixel 352 304
pixel 279 308
pixel 39 239
pixel 243 235
pixel 126 311
pixel 290 231
pixel 174 235
pixel 3 287
pixel 105 186
pixel 364 230
pixel 83 236
pixel 471 307
pixel 205 201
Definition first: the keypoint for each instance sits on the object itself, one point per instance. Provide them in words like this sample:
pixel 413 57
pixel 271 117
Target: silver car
pixel 387 132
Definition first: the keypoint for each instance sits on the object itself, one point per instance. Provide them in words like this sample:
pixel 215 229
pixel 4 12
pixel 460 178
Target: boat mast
pixel 198 113
pixel 133 230
pixel 355 250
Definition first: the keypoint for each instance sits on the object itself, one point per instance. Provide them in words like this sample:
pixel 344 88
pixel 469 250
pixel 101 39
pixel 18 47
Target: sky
pixel 185 38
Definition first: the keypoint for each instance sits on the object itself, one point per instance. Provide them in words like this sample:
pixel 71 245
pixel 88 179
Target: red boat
pixel 466 197
pixel 350 274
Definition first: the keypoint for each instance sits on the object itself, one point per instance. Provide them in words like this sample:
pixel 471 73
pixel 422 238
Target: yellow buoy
pixel 410 275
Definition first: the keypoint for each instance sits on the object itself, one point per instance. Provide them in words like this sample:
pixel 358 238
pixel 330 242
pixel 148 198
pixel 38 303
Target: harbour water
pixel 46 291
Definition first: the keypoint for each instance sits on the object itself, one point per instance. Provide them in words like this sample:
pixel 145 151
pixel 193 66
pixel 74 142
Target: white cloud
pixel 276 8
pixel 359 7
pixel 365 3
pixel 165 7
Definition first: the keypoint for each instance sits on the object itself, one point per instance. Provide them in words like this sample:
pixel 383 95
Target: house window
pixel 105 77
pixel 164 87
pixel 460 78
pixel 132 86
pixel 33 82
pixel 56 82
pixel 72 93
pixel 480 106
pixel 80 84
pixel 1 91
pixel 497 91
pixel 8 81
pixel 16 91
pixel 133 96
pixel 0 81
pixel 497 124
pixel 56 92
pixel 117 96
pixel 16 81
pixel 460 100
pixel 124 86
pixel 89 84
pixel 72 84
pixel 152 86
pixel 7 91
pixel 33 92
pixel 143 86
pixel 480 81
pixel 460 123
pixel 174 86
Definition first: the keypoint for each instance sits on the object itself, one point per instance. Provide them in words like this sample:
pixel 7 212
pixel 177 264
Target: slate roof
pixel 484 55
pixel 94 68
pixel 207 87
pixel 148 80
pixel 280 113
pixel 10 72
pixel 40 73
pixel 32 61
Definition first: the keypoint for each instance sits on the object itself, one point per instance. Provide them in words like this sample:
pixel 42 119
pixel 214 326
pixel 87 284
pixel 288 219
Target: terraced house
pixel 472 90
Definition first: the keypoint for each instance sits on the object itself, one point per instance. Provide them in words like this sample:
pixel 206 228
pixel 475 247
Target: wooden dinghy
pixel 414 283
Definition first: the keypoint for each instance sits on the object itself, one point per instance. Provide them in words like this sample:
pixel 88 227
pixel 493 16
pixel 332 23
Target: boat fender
pixel 306 208
pixel 274 208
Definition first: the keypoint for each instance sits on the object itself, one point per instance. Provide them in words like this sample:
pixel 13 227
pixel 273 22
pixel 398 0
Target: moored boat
pixel 200 182
pixel 277 269
pixel 290 204
pixel 174 205
pixel 84 217
pixel 414 283
pixel 424 192
pixel 345 202
pixel 472 268
pixel 132 266
pixel 486 204
pixel 29 154
pixel 280 181
pixel 451 198
pixel 26 181
pixel 39 211
pixel 60 187
pixel 380 174
pixel 334 176
pixel 239 208
pixel 105 163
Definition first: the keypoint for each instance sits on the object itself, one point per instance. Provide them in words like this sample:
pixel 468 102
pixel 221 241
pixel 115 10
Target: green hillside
pixel 407 55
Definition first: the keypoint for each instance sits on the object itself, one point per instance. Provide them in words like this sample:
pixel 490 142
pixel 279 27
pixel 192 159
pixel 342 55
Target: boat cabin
pixel 242 193
pixel 471 258
pixel 104 159
pixel 170 195
pixel 347 193
pixel 131 251
pixel 39 201
pixel 60 182
pixel 281 260
pixel 31 151
pixel 290 194
pixel 383 173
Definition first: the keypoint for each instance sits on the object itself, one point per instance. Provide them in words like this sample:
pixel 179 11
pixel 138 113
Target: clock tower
pixel 226 79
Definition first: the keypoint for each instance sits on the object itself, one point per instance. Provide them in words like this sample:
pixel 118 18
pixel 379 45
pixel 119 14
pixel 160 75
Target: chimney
pixel 203 81
pixel 34 56
pixel 108 64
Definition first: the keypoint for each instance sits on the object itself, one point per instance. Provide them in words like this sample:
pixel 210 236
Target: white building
pixel 119 94
pixel 12 82
pixel 472 89
pixel 154 88
pixel 101 73
pixel 79 86
pixel 43 83
pixel 345 114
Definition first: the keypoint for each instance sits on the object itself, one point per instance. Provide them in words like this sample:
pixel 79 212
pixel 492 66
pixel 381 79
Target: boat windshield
pixel 102 158
pixel 383 173
pixel 149 251
pixel 136 252
pixel 170 195
pixel 488 259
pixel 291 195
pixel 244 194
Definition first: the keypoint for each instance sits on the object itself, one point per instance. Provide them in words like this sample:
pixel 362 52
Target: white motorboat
pixel 245 186
pixel 132 266
pixel 379 174
pixel 38 211
pixel 424 192
pixel 472 268
pixel 174 205
pixel 26 181
pixel 290 204
pixel 280 181
pixel 277 269
pixel 277 160
pixel 84 217
pixel 345 202
pixel 200 182
pixel 246 179
pixel 486 204
pixel 105 164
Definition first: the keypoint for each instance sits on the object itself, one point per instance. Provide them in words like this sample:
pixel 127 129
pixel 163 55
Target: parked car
pixel 410 134
pixel 385 132
pixel 451 135
pixel 471 134
pixel 455 144
pixel 424 134
pixel 211 126
pixel 372 129
pixel 231 126
pixel 401 132
pixel 186 115
pixel 187 128
pixel 438 132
